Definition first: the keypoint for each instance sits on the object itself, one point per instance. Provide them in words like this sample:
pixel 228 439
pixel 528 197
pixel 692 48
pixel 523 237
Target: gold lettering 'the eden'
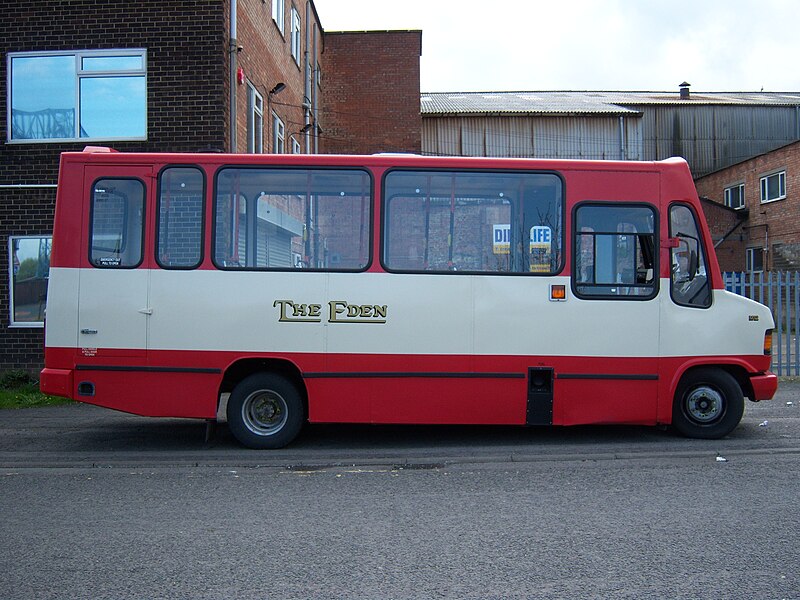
pixel 291 312
pixel 344 312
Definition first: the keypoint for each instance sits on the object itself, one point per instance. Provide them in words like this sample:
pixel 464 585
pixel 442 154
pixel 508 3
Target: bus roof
pixel 106 154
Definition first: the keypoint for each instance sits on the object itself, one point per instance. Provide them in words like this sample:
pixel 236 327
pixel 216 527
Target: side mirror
pixel 693 264
pixel 691 256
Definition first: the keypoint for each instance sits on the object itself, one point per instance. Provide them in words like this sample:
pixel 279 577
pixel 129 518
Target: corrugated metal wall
pixel 709 137
pixel 713 137
pixel 540 137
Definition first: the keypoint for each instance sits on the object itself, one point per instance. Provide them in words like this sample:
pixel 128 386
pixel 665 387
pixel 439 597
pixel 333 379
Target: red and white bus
pixel 395 289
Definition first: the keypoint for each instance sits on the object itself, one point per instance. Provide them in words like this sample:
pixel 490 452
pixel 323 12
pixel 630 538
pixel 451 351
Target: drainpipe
pixel 622 138
pixel 767 254
pixel 315 91
pixel 797 121
pixel 308 72
pixel 233 50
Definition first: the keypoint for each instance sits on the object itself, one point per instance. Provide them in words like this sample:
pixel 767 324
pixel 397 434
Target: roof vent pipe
pixel 684 88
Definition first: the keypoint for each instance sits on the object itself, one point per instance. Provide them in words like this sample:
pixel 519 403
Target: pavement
pixel 98 504
pixel 84 435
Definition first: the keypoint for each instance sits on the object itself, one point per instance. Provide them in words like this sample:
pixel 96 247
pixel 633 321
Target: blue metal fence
pixel 777 290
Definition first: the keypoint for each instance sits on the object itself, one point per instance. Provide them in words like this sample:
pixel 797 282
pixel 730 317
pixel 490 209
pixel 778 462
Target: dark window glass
pixel 615 251
pixel 690 285
pixel 754 259
pixel 292 219
pixel 180 218
pixel 773 187
pixel 117 223
pixel 473 222
pixel 734 196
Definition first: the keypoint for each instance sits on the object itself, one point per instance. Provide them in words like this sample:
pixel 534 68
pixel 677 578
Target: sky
pixel 610 45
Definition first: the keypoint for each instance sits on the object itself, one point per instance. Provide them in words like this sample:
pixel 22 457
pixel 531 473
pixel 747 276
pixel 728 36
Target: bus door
pixel 614 325
pixel 113 298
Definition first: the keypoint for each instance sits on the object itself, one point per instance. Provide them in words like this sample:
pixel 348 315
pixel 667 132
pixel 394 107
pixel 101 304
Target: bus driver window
pixel 690 286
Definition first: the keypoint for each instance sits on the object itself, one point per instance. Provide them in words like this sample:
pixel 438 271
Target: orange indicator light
pixel 558 292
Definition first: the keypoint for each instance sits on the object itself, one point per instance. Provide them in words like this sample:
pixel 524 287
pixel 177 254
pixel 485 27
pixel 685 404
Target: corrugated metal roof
pixel 603 103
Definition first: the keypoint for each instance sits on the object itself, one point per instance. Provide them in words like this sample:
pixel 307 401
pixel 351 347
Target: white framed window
pixel 278 15
pixel 29 268
pixel 734 196
pixel 754 259
pixel 278 135
pixel 255 120
pixel 773 187
pixel 295 35
pixel 79 95
pixel 296 149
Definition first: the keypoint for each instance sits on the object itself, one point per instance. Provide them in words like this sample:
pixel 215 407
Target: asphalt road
pixel 97 504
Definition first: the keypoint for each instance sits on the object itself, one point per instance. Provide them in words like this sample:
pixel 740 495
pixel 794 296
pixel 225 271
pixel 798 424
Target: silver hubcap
pixel 704 404
pixel 264 412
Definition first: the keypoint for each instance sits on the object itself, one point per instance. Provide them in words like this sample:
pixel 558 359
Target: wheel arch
pixel 244 367
pixel 737 370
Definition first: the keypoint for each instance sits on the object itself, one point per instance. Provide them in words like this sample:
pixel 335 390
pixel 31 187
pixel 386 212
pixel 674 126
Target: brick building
pixel 362 114
pixel 157 76
pixel 764 192
pixel 725 224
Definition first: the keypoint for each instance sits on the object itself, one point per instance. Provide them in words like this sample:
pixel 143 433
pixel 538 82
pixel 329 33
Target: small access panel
pixel 540 396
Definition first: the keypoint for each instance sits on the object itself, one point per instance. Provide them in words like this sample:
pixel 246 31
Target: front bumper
pixel 764 386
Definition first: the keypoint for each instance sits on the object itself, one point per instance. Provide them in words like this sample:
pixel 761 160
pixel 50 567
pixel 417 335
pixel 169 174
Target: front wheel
pixel 265 411
pixel 708 404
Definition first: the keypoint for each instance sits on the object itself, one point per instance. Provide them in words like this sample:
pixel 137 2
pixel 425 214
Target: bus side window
pixel 117 223
pixel 180 218
pixel 473 222
pixel 283 219
pixel 614 251
pixel 689 281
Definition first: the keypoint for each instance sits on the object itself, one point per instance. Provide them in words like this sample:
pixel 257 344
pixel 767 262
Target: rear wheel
pixel 265 411
pixel 708 404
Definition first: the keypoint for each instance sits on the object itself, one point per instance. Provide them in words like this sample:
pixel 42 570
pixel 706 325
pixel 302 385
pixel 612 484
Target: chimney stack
pixel 684 88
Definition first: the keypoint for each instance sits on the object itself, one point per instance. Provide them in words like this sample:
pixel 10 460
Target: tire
pixel 265 411
pixel 709 404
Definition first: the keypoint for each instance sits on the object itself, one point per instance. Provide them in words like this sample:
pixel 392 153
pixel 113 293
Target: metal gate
pixel 779 291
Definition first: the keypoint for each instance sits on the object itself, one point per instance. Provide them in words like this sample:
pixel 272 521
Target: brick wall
pixel 22 212
pixel 266 60
pixel 371 92
pixel 374 76
pixel 187 64
pixel 725 223
pixel 772 225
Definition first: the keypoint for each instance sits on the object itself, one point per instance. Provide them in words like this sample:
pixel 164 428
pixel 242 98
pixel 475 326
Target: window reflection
pixel 83 94
pixel 30 267
pixel 43 97
pixel 113 107
pixel 112 63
